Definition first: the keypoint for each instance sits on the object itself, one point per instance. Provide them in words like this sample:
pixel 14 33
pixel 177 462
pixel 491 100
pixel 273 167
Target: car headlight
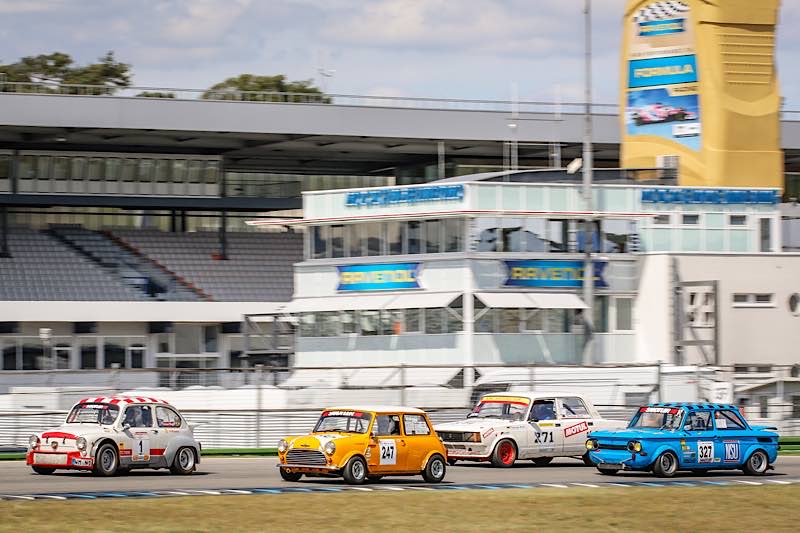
pixel 330 447
pixel 472 437
pixel 80 443
pixel 591 444
pixel 33 441
pixel 283 445
pixel 634 446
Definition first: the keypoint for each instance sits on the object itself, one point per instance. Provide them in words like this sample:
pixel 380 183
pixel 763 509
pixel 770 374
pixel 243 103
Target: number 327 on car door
pixel 388 451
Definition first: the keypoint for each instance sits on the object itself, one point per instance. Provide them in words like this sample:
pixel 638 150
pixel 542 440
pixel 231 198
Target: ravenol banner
pixel 380 277
pixel 546 273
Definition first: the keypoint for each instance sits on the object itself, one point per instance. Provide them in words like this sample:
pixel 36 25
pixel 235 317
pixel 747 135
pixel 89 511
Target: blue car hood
pixel 633 433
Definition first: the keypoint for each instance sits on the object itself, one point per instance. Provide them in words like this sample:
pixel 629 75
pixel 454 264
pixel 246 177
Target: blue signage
pixel 404 195
pixel 662 71
pixel 380 277
pixel 710 196
pixel 551 273
pixel 651 28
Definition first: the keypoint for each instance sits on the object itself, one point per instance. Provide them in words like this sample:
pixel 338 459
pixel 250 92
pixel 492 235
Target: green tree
pixel 59 68
pixel 250 87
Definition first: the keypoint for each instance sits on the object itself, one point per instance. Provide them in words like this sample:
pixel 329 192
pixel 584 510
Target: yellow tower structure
pixel 700 91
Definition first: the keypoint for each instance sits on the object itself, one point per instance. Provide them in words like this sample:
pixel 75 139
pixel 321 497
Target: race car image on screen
pixel 505 427
pixel 658 113
pixel 112 435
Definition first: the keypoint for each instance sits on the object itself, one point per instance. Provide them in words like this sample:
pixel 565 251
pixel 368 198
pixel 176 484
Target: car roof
pixel 377 409
pixel 695 405
pixel 534 395
pixel 114 400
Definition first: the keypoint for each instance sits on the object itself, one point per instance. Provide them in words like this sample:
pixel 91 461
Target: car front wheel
pixel 666 465
pixel 756 464
pixel 184 462
pixel 290 476
pixel 106 461
pixel 434 470
pixel 42 470
pixel 504 455
pixel 355 471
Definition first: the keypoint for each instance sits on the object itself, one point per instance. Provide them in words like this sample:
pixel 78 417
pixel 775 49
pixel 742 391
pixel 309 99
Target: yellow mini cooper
pixel 365 443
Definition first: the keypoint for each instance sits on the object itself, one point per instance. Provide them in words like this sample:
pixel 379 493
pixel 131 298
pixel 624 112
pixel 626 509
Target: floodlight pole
pixel 588 267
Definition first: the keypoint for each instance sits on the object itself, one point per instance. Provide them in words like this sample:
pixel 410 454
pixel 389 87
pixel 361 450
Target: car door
pixel 138 419
pixel 419 440
pixel 388 446
pixel 699 447
pixel 576 422
pixel 168 425
pixel 731 437
pixel 544 435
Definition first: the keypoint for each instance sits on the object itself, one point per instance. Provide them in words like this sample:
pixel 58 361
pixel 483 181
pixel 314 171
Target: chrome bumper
pixel 311 467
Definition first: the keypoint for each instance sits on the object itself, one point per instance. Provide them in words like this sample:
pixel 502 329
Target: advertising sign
pixel 404 195
pixel 710 196
pixel 380 277
pixel 662 97
pixel 551 273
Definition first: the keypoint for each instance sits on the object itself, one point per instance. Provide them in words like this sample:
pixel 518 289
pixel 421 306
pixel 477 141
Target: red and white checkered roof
pixel 114 400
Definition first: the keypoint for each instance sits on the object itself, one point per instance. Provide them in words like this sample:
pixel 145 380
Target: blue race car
pixel 667 437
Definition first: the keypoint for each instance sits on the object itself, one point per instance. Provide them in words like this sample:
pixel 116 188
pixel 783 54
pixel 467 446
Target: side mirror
pixel 126 427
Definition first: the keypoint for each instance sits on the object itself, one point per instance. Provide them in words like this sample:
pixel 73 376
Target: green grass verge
pixel 765 508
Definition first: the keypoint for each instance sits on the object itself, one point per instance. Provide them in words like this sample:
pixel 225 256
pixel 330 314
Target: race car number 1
pixel 388 452
pixel 141 450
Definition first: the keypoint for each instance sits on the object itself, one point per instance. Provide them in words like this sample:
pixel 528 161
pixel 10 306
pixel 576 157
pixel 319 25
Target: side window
pixel 573 408
pixel 415 425
pixel 138 416
pixel 698 421
pixel 726 420
pixel 387 425
pixel 167 418
pixel 543 410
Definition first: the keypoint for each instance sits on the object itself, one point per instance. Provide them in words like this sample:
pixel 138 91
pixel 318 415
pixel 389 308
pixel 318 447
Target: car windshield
pixel 343 422
pixel 669 418
pixel 509 407
pixel 93 413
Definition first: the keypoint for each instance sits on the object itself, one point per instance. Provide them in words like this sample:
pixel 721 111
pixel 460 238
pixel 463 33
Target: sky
pixel 481 49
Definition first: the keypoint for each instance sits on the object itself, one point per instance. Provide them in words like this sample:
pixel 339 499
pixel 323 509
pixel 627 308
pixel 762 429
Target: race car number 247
pixel 388 452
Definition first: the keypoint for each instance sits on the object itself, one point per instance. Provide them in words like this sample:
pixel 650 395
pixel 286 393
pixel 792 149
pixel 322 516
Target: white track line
pixel 17 497
pixel 747 482
pixel 553 485
pixel 587 485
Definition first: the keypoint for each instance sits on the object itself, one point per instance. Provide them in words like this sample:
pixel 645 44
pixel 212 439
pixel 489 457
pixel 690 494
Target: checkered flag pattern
pixel 661 11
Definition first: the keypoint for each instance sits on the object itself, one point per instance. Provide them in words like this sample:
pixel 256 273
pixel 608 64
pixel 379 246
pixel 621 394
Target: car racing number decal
pixel 731 451
pixel 543 437
pixel 705 451
pixel 388 452
pixel 141 449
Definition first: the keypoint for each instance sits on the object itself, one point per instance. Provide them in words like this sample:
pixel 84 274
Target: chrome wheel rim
pixel 437 468
pixel 757 462
pixel 107 459
pixel 358 470
pixel 186 459
pixel 667 463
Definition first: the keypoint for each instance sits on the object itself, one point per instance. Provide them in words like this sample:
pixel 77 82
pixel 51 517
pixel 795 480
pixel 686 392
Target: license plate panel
pixel 50 458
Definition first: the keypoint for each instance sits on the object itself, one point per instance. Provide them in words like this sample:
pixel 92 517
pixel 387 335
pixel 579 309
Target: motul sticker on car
pixel 576 429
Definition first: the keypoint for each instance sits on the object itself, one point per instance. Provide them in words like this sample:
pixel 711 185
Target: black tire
pixel 355 471
pixel 608 471
pixel 587 460
pixel 504 454
pixel 452 462
pixel 106 461
pixel 435 469
pixel 43 471
pixel 757 464
pixel 184 462
pixel 290 476
pixel 542 461
pixel 665 465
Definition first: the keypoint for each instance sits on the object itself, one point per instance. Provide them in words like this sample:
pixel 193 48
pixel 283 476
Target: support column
pixel 4 251
pixel 223 235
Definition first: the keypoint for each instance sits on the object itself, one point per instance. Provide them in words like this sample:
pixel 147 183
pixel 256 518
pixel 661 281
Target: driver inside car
pixel 543 410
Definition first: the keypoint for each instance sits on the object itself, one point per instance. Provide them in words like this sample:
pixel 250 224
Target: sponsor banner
pixel 652 28
pixel 710 196
pixel 569 431
pixel 660 410
pixel 656 71
pixel 668 112
pixel 378 277
pixel 731 451
pixel 404 195
pixel 506 399
pixel 551 273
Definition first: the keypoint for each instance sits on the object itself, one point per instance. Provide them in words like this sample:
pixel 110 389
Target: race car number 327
pixel 388 452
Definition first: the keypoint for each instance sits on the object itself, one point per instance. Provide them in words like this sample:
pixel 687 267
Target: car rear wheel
pixel 666 465
pixel 434 470
pixel 504 455
pixel 756 464
pixel 43 471
pixel 542 461
pixel 355 471
pixel 106 461
pixel 184 462
pixel 290 476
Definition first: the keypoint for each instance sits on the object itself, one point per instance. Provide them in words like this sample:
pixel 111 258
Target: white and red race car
pixel 658 113
pixel 110 435
pixel 507 426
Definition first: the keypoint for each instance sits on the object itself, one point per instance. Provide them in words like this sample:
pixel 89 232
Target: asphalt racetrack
pixel 246 473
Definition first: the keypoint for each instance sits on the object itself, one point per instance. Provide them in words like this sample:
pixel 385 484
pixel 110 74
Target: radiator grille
pixel 298 456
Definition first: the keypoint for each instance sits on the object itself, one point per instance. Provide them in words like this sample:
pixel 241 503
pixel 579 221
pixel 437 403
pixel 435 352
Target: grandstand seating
pixel 259 265
pixel 42 268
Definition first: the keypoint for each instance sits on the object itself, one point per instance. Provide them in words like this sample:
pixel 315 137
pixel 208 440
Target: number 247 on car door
pixel 388 452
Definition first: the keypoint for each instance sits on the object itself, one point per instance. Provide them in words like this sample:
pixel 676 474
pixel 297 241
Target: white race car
pixel 505 427
pixel 111 435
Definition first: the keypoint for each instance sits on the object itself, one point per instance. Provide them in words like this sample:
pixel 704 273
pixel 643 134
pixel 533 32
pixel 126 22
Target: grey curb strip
pixel 295 489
